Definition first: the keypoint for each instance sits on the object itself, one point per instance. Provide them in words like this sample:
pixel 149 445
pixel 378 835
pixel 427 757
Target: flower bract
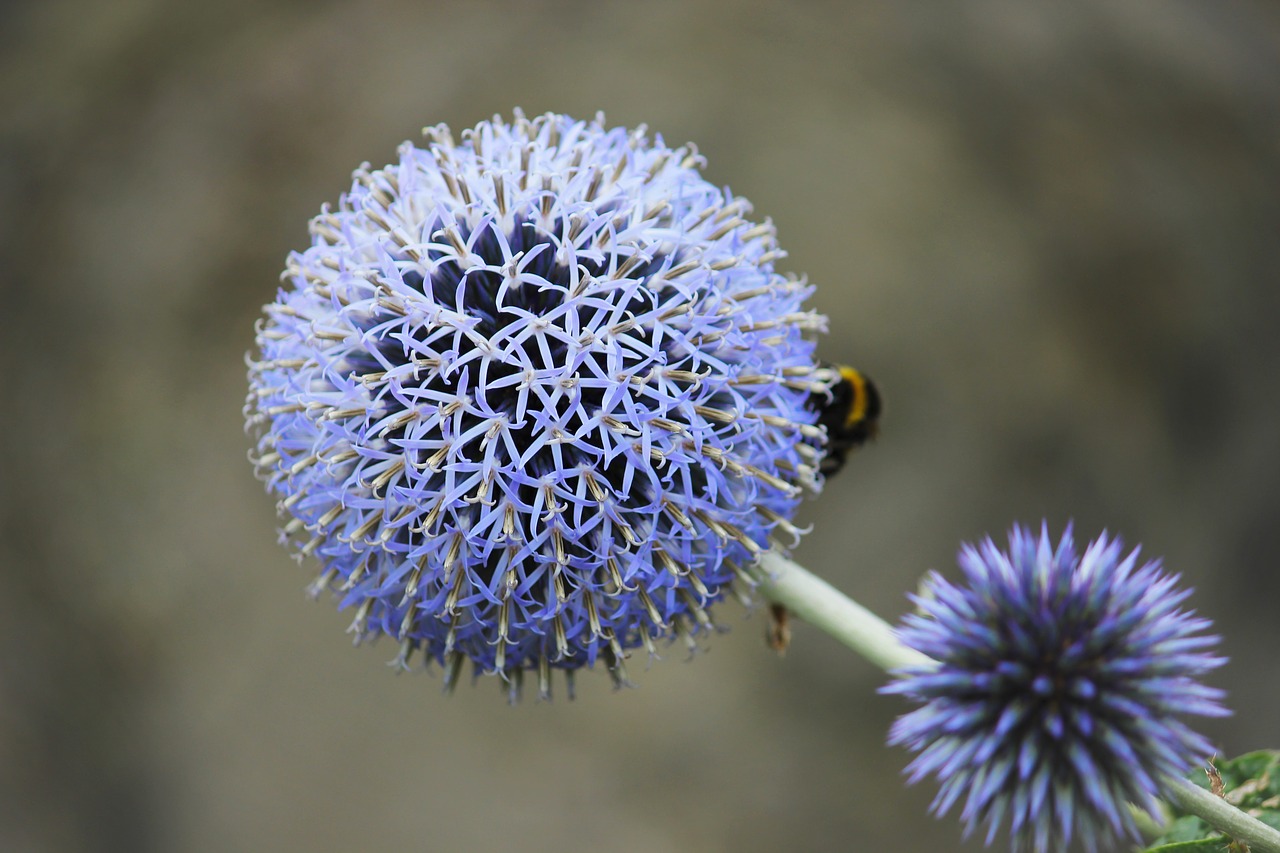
pixel 532 398
pixel 1058 690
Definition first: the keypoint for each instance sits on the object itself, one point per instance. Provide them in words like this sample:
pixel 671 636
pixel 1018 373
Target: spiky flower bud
pixel 1057 691
pixel 532 398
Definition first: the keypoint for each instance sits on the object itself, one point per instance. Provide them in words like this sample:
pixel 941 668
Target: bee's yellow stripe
pixel 858 411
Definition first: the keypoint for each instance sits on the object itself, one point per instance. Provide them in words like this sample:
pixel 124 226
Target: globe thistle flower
pixel 534 398
pixel 1057 690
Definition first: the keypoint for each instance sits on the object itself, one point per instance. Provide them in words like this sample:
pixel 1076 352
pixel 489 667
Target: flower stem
pixel 1216 811
pixel 825 607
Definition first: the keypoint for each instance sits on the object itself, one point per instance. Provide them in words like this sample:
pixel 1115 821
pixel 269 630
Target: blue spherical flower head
pixel 533 398
pixel 1058 687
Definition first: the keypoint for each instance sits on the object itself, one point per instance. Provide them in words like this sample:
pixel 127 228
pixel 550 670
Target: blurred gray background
pixel 1048 230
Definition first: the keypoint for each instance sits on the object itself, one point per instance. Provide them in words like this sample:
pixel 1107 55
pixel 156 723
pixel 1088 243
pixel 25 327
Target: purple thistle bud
pixel 1059 683
pixel 534 398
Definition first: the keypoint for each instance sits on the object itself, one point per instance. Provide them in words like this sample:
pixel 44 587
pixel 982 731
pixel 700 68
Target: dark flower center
pixel 500 376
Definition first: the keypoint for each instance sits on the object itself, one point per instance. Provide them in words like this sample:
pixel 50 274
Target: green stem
pixel 825 607
pixel 1216 811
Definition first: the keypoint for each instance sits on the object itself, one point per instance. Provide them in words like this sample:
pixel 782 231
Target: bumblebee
pixel 851 415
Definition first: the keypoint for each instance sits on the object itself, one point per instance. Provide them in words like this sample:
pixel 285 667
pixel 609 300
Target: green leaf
pixel 1208 845
pixel 1189 828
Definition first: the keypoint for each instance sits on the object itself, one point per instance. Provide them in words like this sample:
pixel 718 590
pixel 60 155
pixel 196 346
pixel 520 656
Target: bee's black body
pixel 851 415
